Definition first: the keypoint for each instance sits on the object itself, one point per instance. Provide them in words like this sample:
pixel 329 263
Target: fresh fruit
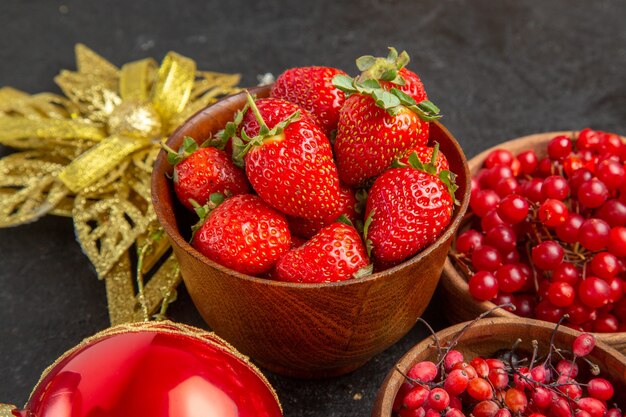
pixel 563 221
pixel 378 121
pixel 335 253
pixel 290 165
pixel 245 234
pixel 313 90
pixel 202 171
pixel 407 209
pixel 348 206
pixel 425 153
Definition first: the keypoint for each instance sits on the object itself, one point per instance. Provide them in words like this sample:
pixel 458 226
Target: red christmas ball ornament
pixel 157 369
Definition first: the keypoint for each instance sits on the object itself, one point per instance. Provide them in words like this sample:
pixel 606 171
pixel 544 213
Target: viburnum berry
pixel 568 230
pixel 528 162
pixel 593 234
pixel 559 147
pixel 604 265
pixel 561 294
pixel 548 255
pixel 486 258
pixel 594 292
pixel 469 240
pixel 513 208
pixel 592 193
pixel 611 173
pixel 485 201
pixel 613 211
pixel 552 212
pixel 617 241
pixel 555 186
pixel 483 286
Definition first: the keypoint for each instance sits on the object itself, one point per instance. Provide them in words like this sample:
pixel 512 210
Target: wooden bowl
pixel 454 288
pixel 492 334
pixel 303 330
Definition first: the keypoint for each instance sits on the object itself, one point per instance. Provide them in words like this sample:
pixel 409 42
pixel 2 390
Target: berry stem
pixel 257 114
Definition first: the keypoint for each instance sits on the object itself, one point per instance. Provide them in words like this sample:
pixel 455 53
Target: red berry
pixel 511 278
pixel 507 186
pixel 499 378
pixel 513 208
pixel 580 313
pixel 613 212
pixel 567 368
pixel 555 186
pixel 604 265
pixel 568 230
pixel 606 323
pixel 501 236
pixel 496 174
pixel 486 258
pixel 594 292
pixel 485 408
pixel 456 382
pixel 592 193
pixel 485 201
pixel 593 406
pixel 416 397
pixel 545 168
pixel 547 255
pixel 583 344
pixel 541 398
pixel 528 162
pixel 617 241
pixel 611 173
pixel 479 389
pixel 593 234
pixel 483 286
pixel 559 147
pixel 547 311
pixel 490 220
pixel 524 305
pixel 588 139
pixel 424 371
pixel 499 157
pixel 438 399
pixel 531 189
pixel 452 358
pixel 552 212
pixel 566 272
pixel 561 294
pixel 516 400
pixel 468 241
pixel 579 177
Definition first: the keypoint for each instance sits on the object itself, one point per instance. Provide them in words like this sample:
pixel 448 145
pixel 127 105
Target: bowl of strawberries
pixel 546 231
pixel 311 218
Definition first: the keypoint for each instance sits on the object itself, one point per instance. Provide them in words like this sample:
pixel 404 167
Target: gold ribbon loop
pixel 136 78
pixel 173 86
pixel 99 160
pixel 15 128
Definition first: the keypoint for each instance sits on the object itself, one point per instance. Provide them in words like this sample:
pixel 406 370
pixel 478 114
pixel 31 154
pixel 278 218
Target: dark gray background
pixel 498 69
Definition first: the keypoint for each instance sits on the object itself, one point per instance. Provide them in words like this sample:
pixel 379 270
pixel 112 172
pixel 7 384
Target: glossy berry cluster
pixel 507 384
pixel 549 234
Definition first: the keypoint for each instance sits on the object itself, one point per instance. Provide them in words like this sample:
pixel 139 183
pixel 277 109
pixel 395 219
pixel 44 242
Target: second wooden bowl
pixel 454 287
pixel 304 330
pixel 492 334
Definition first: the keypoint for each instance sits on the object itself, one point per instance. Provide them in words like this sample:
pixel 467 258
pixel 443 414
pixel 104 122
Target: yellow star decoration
pixel 89 155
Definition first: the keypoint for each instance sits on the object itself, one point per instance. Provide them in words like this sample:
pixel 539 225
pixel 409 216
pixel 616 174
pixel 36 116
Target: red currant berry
pixel 561 294
pixel 424 371
pixel 528 162
pixel 486 258
pixel 513 208
pixel 547 255
pixel 588 139
pixel 547 311
pixel 499 157
pixel 531 189
pixel 490 220
pixel 511 278
pixel 438 399
pixel 524 305
pixel 571 164
pixel 606 323
pixel 580 313
pixel 501 236
pixel 583 345
pixel 600 388
pixel 593 234
pixel 511 257
pixel 617 289
pixel 559 147
pixel 610 144
pixel 555 186
pixel 469 240
pixel 617 241
pixel 604 265
pixel 545 168
pixel 552 212
pixel 456 382
pixel 613 212
pixel 577 178
pixel 611 173
pixel 495 174
pixel 483 286
pixel 479 389
pixel 592 193
pixel 485 201
pixel 507 186
pixel 594 292
pixel 568 230
pixel 566 272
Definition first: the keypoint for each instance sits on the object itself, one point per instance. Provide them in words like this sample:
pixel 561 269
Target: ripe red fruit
pixel 559 147
pixel 501 236
pixel 200 172
pixel 552 212
pixel 499 157
pixel 600 389
pixel 452 358
pixel 456 382
pixel 516 400
pixel 484 202
pixel 593 406
pixel 568 230
pixel 561 294
pixel 593 234
pixel 290 163
pixel 479 389
pixel 617 241
pixel 528 162
pixel 307 228
pixel 511 278
pixel 424 371
pixel 594 292
pixel 409 208
pixel 547 255
pixel 583 344
pixel 592 193
pixel 416 397
pixel 483 286
pixel 513 208
pixel 486 258
pixel 604 265
pixel 245 234
pixel 438 399
pixel 335 253
pixel 312 89
pixel 425 155
pixel 485 408
pixel 469 240
pixel 556 187
pixel 613 212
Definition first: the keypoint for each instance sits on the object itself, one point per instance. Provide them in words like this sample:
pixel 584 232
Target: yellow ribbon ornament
pixel 89 155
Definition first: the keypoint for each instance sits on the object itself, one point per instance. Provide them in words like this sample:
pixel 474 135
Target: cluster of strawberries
pixel 325 179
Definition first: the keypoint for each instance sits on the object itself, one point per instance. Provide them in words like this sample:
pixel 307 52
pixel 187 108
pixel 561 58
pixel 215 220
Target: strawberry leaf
pixel 366 226
pixel 344 83
pixel 203 212
pixel 449 179
pixel 345 220
pixel 389 75
pixel 365 62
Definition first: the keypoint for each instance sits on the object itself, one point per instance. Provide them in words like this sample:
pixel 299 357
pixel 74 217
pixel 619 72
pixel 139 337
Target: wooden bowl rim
pixel 456 277
pixel 161 165
pixel 389 388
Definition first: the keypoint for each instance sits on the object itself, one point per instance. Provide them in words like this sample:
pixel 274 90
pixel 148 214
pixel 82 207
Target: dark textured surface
pixel 498 69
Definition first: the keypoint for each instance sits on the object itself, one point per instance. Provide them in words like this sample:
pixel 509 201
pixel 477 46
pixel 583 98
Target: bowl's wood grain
pixel 304 330
pixel 492 334
pixel 454 288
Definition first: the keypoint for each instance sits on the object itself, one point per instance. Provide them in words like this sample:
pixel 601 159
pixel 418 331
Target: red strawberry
pixel 377 122
pixel 200 172
pixel 425 155
pixel 245 234
pixel 309 227
pixel 312 88
pixel 407 209
pixel 274 111
pixel 336 253
pixel 290 165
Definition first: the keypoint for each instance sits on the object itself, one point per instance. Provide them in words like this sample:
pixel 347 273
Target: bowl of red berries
pixel 546 231
pixel 311 218
pixel 502 367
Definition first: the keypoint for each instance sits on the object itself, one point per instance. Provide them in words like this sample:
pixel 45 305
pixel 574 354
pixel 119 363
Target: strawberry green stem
pixel 257 114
